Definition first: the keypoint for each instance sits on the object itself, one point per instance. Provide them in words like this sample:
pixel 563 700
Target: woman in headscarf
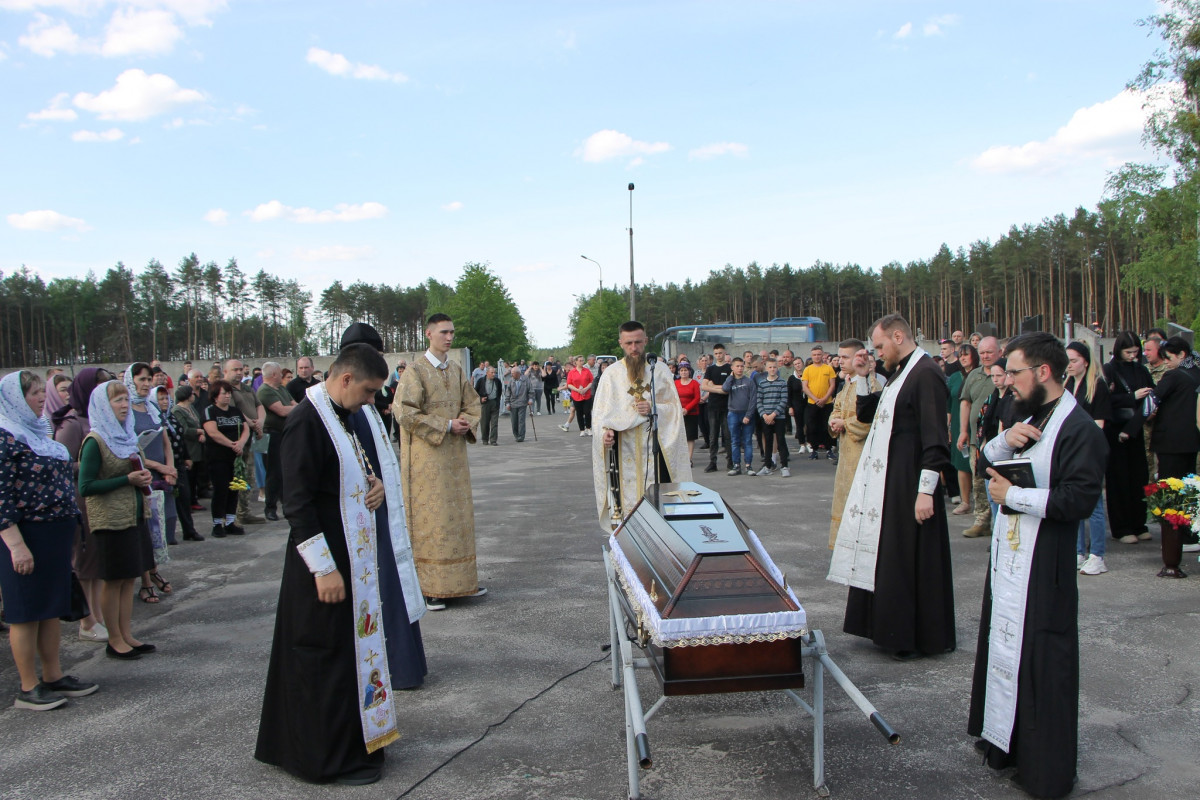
pixel 147 419
pixel 57 397
pixel 181 497
pixel 113 481
pixel 37 526
pixel 71 425
pixel 1128 384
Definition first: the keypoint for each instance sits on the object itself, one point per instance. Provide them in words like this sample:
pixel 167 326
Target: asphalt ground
pixel 518 702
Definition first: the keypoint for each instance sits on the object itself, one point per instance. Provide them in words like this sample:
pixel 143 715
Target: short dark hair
pixel 436 318
pixel 890 322
pixel 183 394
pixel 362 361
pixel 1157 331
pixel 737 359
pixel 216 387
pixel 969 349
pixel 1041 348
pixel 718 346
pixel 631 326
pixel 138 367
pixel 1176 345
pixel 856 344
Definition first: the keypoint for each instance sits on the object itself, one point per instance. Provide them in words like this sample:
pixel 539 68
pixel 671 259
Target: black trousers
pixel 224 500
pixel 704 422
pixel 489 421
pixel 551 398
pixel 718 431
pixel 817 425
pixel 1175 465
pixel 801 412
pixel 274 487
pixel 583 413
pixel 774 435
pixel 183 503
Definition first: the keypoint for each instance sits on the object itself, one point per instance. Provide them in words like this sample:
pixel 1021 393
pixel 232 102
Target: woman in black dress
pixel 1128 384
pixel 38 518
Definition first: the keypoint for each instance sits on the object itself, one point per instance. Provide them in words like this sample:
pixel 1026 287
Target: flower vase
pixel 1172 549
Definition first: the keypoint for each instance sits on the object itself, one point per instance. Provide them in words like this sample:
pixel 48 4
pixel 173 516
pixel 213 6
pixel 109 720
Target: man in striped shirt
pixel 772 404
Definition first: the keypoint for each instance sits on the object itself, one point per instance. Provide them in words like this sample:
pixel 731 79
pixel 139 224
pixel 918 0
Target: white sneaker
pixel 589 431
pixel 735 471
pixel 1079 560
pixel 808 448
pixel 564 427
pixel 1093 566
pixel 765 471
pixel 785 472
pixel 583 433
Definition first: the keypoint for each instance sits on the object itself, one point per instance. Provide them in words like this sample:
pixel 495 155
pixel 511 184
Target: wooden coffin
pixel 690 553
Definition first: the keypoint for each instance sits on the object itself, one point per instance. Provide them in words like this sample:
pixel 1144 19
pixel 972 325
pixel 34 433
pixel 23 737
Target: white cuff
pixel 929 482
pixel 862 385
pixel 315 553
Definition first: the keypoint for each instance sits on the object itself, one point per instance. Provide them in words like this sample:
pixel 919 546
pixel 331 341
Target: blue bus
pixel 779 331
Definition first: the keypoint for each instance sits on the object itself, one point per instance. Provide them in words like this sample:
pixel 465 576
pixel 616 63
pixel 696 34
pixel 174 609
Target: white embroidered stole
pixel 854 552
pixel 406 568
pixel 1013 540
pixel 375 708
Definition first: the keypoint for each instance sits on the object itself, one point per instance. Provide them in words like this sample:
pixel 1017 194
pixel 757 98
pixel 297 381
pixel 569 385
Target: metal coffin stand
pixel 776 665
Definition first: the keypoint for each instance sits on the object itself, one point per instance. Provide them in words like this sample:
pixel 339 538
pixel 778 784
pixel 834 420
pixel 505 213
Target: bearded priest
pixel 622 411
pixel 1025 693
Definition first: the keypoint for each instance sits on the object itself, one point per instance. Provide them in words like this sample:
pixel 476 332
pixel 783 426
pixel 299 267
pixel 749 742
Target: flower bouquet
pixel 1175 502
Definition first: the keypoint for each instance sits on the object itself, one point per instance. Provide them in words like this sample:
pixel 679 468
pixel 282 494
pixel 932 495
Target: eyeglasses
pixel 1012 373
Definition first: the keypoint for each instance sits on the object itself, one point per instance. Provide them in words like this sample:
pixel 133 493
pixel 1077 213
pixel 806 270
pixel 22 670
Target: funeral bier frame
pixel 711 614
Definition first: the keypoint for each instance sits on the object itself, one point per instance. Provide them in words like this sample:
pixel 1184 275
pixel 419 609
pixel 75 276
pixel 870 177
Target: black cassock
pixel 1045 735
pixel 912 607
pixel 310 722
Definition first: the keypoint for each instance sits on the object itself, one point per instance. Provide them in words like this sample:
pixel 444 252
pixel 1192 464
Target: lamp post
pixel 597 263
pixel 632 302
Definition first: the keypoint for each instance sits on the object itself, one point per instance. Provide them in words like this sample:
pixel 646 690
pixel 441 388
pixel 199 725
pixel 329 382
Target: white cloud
pixel 217 216
pixel 110 135
pixel 455 206
pixel 934 26
pixel 334 252
pixel 608 144
pixel 342 212
pixel 47 221
pixel 718 149
pixel 1109 131
pixel 137 96
pixel 338 64
pixel 904 31
pixel 55 111
pixel 48 37
pixel 132 32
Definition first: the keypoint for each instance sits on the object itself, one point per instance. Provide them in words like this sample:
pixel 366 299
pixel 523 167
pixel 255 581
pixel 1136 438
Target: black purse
pixel 79 603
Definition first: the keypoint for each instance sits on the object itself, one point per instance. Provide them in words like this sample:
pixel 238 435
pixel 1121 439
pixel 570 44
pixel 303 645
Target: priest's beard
pixel 1028 406
pixel 636 365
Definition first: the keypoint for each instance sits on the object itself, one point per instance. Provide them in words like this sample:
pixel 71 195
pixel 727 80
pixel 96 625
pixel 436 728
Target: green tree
pixel 595 323
pixel 486 319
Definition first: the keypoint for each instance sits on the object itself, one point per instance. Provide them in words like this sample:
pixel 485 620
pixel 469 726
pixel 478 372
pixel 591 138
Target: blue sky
pixel 394 141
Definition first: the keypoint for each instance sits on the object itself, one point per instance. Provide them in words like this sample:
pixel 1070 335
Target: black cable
pixel 495 725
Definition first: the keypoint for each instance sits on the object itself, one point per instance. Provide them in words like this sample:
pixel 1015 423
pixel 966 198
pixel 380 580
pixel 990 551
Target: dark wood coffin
pixel 690 554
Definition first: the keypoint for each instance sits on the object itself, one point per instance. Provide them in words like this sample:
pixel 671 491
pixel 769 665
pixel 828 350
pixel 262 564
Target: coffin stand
pixel 711 613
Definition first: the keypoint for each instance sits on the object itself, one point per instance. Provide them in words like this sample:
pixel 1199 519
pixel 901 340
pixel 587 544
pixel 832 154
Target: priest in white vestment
pixel 622 411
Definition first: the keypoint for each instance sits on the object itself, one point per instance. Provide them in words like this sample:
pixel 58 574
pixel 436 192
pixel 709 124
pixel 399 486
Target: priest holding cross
pixel 622 410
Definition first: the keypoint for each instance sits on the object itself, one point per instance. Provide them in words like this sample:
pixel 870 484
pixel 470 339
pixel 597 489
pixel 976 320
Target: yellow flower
pixel 1175 483
pixel 1157 512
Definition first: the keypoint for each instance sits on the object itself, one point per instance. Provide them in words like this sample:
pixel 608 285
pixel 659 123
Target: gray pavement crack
pixel 498 724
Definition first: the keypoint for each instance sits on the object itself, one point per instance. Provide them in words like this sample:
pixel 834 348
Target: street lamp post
pixel 632 302
pixel 597 263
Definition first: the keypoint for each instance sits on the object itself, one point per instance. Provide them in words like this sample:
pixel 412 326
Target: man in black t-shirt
pixel 718 406
pixel 298 385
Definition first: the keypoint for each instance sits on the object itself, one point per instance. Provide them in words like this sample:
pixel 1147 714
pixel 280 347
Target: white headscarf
pixel 18 418
pixel 118 437
pixel 148 400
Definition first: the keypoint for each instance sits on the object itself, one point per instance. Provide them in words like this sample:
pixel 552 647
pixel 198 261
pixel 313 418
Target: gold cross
pixel 638 390
pixel 371 656
pixel 366 574
pixel 357 493
pixel 682 494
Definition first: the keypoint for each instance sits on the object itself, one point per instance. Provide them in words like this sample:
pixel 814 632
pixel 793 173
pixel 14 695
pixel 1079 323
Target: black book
pixel 1018 472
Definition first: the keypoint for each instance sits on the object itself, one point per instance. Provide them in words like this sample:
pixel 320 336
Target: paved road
pixel 518 703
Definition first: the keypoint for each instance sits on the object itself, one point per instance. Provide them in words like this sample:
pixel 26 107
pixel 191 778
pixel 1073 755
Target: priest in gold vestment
pixel 439 414
pixel 622 410
pixel 848 433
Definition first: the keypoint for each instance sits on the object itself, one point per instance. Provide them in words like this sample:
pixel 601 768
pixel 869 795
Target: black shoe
pixel 711 468
pixel 127 656
pixel 39 699
pixel 235 530
pixel 218 532
pixel 813 456
pixel 907 655
pixel 70 686
pixel 145 648
pixel 271 515
pixel 359 777
pixel 194 536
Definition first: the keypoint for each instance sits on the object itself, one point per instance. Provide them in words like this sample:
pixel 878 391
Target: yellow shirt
pixel 819 377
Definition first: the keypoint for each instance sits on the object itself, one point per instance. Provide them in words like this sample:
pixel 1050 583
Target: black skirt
pixel 121 552
pixel 44 593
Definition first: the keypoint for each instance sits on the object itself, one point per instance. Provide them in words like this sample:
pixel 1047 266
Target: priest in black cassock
pixel 893 546
pixel 346 629
pixel 1025 693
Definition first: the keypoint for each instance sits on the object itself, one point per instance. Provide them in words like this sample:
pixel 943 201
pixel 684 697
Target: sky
pixel 395 141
